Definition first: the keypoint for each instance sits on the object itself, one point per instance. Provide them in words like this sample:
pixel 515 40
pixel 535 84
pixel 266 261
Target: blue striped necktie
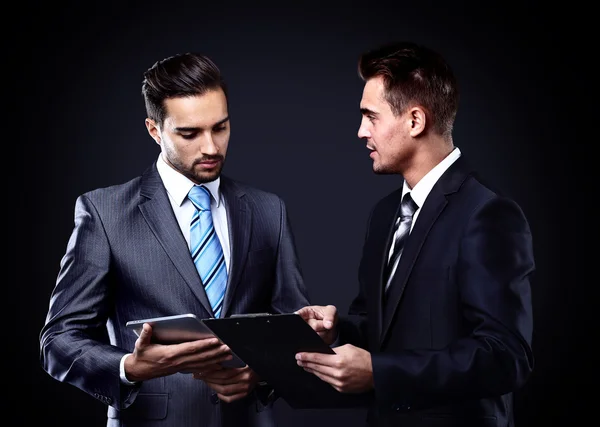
pixel 206 249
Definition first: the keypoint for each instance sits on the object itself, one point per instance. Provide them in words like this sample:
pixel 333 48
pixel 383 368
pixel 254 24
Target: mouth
pixel 209 163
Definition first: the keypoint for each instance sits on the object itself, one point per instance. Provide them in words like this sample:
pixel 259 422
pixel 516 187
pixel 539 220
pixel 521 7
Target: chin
pixel 207 177
pixel 380 170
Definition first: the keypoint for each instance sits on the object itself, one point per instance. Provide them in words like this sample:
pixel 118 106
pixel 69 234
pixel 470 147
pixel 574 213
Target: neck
pixel 430 153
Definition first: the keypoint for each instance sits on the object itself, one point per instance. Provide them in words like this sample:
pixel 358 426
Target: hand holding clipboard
pixel 269 344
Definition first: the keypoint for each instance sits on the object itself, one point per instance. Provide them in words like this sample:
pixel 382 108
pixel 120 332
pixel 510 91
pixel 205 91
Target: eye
pixel 188 135
pixel 220 128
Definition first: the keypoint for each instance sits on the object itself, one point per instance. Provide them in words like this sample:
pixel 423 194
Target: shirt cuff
pixel 124 379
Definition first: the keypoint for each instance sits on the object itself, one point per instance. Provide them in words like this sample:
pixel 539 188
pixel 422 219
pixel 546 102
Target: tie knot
pixel 408 206
pixel 200 197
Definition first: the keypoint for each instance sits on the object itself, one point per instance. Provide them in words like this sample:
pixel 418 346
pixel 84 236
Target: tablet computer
pixel 177 329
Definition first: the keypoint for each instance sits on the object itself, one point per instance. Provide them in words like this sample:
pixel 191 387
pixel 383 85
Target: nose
pixel 363 131
pixel 208 145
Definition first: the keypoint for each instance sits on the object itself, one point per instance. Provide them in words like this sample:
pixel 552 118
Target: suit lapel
pixel 382 230
pixel 239 217
pixel 434 204
pixel 159 215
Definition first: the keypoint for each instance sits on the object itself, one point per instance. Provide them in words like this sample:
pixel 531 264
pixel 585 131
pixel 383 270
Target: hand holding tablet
pixel 177 329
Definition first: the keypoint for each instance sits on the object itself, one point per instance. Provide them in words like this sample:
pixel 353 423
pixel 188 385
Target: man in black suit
pixel 151 248
pixel 441 328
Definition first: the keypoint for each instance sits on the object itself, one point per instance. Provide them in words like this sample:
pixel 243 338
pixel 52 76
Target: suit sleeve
pixel 494 356
pixel 73 342
pixel 352 328
pixel 289 292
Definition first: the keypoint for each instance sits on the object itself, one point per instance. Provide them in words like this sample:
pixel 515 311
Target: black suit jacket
pixel 127 259
pixel 451 341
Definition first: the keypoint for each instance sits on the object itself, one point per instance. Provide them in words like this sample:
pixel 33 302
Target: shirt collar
pixel 178 186
pixel 424 186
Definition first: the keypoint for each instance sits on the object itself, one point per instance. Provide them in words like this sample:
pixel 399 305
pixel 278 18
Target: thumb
pixel 329 315
pixel 145 337
pixel 303 313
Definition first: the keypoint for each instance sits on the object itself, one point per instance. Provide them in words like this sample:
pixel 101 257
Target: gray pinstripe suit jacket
pixel 127 259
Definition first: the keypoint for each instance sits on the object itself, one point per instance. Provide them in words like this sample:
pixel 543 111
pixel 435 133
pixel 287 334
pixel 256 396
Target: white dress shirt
pixel 178 187
pixel 419 195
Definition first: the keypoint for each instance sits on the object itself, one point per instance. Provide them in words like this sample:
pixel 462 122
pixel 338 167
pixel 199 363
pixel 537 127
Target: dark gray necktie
pixel 407 210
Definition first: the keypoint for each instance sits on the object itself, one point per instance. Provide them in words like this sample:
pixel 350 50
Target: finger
pixel 216 381
pixel 329 316
pixel 316 325
pixel 328 371
pixel 202 361
pixel 207 343
pixel 333 381
pixel 199 375
pixel 207 371
pixel 305 312
pixel 145 338
pixel 316 358
pixel 212 369
pixel 229 389
pixel 204 365
pixel 223 376
pixel 202 349
pixel 229 399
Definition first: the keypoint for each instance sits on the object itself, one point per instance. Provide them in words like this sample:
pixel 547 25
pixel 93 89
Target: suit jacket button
pixel 398 408
pixel 214 399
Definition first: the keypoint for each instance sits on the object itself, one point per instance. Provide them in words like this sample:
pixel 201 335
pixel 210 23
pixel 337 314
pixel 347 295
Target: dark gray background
pixel 294 95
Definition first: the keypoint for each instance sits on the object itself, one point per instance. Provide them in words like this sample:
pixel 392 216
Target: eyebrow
pixel 366 112
pixel 195 128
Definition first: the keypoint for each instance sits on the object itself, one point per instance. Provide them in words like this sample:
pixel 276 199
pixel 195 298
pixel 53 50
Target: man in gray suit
pixel 132 255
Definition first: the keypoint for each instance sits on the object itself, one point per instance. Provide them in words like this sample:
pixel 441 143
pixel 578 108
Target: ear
pixel 417 121
pixel 153 130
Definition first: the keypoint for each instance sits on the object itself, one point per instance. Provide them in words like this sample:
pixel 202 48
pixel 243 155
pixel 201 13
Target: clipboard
pixel 268 343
